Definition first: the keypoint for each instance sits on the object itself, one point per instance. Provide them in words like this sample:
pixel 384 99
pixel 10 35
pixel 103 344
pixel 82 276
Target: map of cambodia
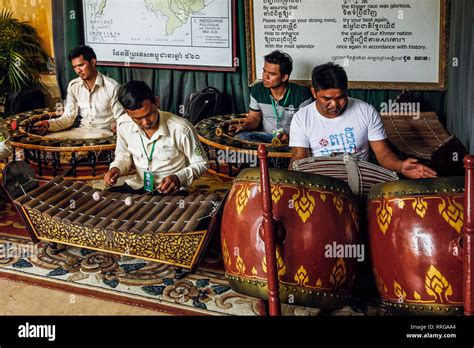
pixel 177 11
pixel 164 32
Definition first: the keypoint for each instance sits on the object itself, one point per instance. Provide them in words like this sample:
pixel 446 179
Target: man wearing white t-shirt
pixel 335 123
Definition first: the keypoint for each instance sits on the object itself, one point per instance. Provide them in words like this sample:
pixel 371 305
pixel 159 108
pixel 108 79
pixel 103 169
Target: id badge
pixel 148 181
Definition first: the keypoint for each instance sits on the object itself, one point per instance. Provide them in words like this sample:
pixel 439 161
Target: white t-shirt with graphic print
pixel 348 133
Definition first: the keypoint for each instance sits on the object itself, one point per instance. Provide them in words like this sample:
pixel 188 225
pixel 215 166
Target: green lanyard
pixel 151 154
pixel 275 110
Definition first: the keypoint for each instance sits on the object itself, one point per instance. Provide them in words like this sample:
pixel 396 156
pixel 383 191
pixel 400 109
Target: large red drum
pixel 415 232
pixel 317 237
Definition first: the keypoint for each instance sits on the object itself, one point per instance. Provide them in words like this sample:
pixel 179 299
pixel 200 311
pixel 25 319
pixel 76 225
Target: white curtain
pixel 460 89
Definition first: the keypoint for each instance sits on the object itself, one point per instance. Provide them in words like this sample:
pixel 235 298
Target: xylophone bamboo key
pixel 71 209
pixel 119 221
pixel 97 208
pixel 187 214
pixel 156 204
pixel 104 212
pixel 56 197
pixel 137 216
pixel 106 221
pixel 174 216
pixel 40 199
pixel 203 211
pixel 158 220
pixel 76 213
pixel 39 190
pixel 51 212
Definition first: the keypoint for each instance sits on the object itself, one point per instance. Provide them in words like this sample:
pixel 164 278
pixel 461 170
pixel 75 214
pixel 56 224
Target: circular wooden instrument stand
pixel 82 159
pixel 228 154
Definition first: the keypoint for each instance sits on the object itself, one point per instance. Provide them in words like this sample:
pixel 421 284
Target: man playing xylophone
pixel 163 147
pixel 92 95
pixel 335 123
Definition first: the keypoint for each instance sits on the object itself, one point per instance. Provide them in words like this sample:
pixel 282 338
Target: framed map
pixel 172 34
pixel 382 44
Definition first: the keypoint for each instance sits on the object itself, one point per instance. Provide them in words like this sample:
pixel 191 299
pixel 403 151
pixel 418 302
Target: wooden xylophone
pixel 168 229
pixel 423 136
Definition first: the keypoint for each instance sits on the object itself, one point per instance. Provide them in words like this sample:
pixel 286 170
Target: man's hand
pixel 248 123
pixel 414 170
pixel 410 168
pixel 111 177
pixel 113 127
pixel 298 153
pixel 236 127
pixel 284 138
pixel 41 127
pixel 169 185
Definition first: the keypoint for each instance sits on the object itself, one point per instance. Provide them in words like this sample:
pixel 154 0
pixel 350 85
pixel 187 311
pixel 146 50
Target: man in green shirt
pixel 273 102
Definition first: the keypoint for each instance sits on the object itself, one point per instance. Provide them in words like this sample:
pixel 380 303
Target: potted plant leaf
pixel 22 56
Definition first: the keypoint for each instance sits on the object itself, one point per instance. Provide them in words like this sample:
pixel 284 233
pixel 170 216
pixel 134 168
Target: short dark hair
pixel 329 76
pixel 132 95
pixel 85 51
pixel 283 59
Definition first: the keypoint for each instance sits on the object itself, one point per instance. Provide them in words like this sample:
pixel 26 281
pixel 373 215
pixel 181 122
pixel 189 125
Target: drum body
pixel 316 216
pixel 415 232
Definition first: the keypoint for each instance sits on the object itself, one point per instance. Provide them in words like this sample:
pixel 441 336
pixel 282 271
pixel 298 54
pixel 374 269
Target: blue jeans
pixel 258 137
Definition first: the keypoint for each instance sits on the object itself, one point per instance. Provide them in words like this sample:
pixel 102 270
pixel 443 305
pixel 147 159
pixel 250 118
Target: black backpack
pixel 203 104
